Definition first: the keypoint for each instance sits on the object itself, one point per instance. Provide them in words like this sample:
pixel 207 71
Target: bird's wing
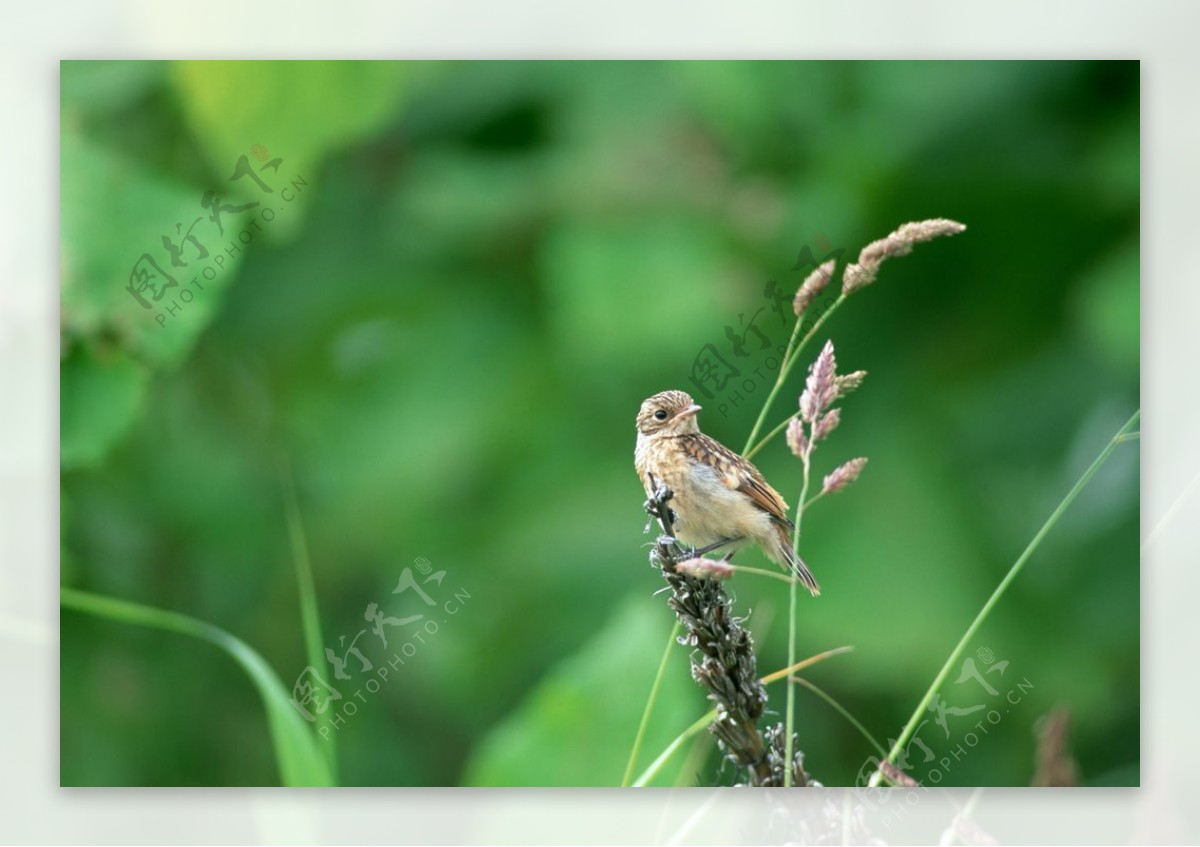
pixel 737 473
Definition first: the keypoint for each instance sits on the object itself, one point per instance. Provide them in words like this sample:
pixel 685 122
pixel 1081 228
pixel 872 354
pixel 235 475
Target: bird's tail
pixel 797 564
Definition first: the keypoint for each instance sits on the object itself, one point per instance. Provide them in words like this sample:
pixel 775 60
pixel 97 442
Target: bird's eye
pixel 661 415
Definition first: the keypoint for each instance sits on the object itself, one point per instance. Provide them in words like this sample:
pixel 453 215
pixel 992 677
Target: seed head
pixel 850 382
pixel 702 568
pixel 843 475
pixel 812 286
pixel 900 243
pixel 797 441
pixel 820 389
pixel 826 424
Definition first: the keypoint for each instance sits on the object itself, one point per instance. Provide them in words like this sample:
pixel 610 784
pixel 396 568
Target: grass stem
pixel 790 717
pixel 844 712
pixel 790 357
pixel 646 712
pixel 297 754
pixel 762 572
pixel 310 617
pixel 961 647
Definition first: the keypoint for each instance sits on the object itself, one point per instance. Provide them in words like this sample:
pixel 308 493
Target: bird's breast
pixel 707 510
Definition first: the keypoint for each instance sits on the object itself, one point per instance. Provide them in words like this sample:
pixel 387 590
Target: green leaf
pixel 577 726
pixel 310 616
pixel 296 111
pixel 296 752
pixel 913 723
pixel 100 395
pixel 114 212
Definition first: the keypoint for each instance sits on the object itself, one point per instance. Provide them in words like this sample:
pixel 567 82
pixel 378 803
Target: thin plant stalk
pixel 646 712
pixel 961 647
pixel 816 496
pixel 762 572
pixel 780 378
pixel 657 765
pixel 790 721
pixel 297 754
pixel 843 711
pixel 766 439
pixel 310 616
pixel 817 658
pixel 790 717
pixel 694 759
pixel 789 361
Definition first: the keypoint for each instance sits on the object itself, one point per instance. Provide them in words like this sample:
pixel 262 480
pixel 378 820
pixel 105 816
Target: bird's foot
pixel 656 507
pixel 667 541
pixel 666 552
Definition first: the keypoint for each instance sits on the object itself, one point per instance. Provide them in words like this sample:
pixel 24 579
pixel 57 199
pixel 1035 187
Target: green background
pixel 448 331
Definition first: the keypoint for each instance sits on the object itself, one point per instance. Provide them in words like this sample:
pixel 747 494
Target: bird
pixel 720 499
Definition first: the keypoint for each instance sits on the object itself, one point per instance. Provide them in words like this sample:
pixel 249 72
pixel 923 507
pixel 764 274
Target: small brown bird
pixel 720 499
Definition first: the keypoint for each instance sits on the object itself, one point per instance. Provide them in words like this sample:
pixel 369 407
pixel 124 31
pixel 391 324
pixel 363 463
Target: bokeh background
pixel 445 333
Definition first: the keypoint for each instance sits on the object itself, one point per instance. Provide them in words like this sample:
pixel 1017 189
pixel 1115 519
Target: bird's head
pixel 668 413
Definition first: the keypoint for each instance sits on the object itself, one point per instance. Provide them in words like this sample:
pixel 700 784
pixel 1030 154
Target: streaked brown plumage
pixel 718 495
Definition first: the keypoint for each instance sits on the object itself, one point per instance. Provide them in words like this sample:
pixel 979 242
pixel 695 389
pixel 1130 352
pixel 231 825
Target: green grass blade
pixel 652 771
pixel 844 712
pixel 310 618
pixel 650 701
pixel 693 760
pixel 789 361
pixel 961 647
pixel 296 751
pixel 789 721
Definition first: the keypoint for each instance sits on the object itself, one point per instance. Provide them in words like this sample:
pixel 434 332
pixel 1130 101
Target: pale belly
pixel 707 511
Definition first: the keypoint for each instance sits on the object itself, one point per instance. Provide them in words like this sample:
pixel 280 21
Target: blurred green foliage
pixel 448 332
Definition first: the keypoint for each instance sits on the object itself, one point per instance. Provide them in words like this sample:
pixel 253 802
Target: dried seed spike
pixel 826 424
pixel 797 441
pixel 812 286
pixel 820 388
pixel 863 272
pixel 702 568
pixel 850 382
pixel 843 475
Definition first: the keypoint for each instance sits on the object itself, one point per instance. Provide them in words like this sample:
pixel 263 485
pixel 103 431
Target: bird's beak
pixel 688 412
